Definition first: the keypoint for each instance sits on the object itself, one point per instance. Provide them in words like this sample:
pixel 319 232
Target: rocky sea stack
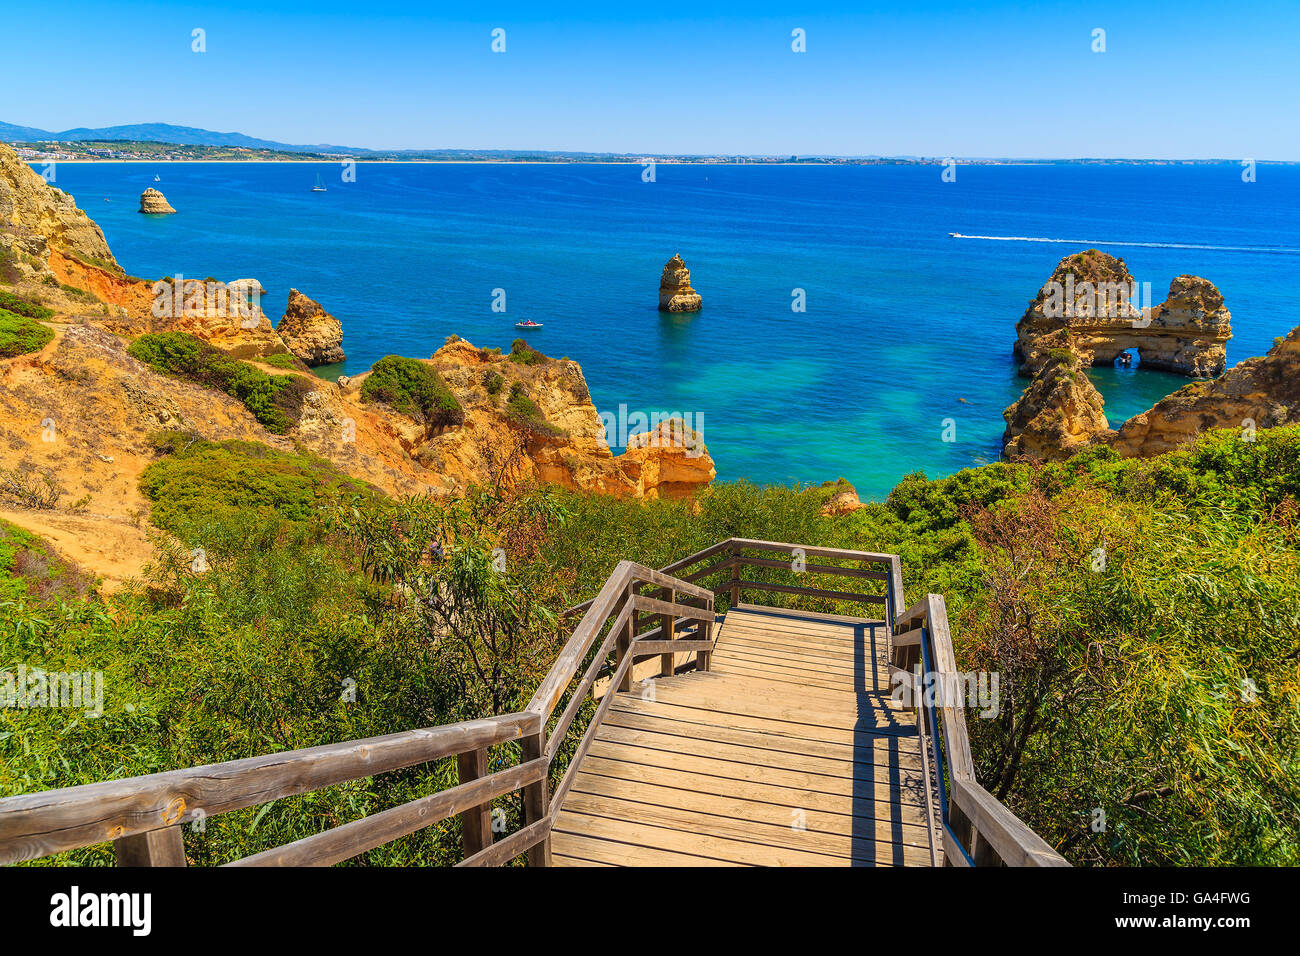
pixel 675 292
pixel 154 203
pixel 1088 306
pixel 309 332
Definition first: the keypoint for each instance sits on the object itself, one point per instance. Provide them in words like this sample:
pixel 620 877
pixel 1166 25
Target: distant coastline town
pixel 159 142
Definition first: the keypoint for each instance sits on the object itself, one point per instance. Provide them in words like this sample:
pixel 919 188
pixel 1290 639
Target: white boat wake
pixel 1091 243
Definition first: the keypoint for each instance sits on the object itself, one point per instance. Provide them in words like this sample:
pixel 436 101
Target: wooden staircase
pixel 784 736
pixel 787 752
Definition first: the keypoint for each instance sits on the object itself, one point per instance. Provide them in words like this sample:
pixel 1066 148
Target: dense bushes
pixel 202 480
pixel 412 388
pixel 16 304
pixel 274 400
pixel 523 411
pixel 521 353
pixel 20 335
pixel 1143 616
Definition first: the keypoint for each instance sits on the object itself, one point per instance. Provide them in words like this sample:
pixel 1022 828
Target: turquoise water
pixel 902 322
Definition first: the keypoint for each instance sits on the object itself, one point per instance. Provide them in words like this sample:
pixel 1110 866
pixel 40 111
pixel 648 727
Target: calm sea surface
pixel 904 327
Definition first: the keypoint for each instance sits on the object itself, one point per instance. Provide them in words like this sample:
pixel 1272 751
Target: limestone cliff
pixel 1060 413
pixel 1089 306
pixel 37 219
pixel 1257 393
pixel 561 438
pixel 310 332
pixel 675 292
pixel 154 203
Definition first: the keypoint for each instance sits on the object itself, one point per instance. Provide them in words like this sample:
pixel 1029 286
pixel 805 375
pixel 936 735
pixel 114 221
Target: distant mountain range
pixel 160 133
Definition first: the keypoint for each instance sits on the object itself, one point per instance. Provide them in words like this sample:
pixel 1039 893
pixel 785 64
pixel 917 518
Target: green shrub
pixel 412 388
pixel 493 382
pixel 20 335
pixel 521 353
pixel 283 360
pixel 29 567
pixel 201 479
pixel 274 400
pixel 20 306
pixel 523 411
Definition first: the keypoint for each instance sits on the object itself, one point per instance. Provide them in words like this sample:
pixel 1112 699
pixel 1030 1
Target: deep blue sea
pixel 902 322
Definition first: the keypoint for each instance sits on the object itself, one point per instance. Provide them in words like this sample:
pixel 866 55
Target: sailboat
pixel 157 179
pixel 319 187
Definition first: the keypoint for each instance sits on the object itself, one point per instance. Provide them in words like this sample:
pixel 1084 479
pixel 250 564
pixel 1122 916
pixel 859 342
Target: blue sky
pixel 1189 79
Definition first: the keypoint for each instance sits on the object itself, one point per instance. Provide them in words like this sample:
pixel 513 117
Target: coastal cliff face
pixel 542 408
pixel 675 292
pixel 309 332
pixel 37 219
pixel 1060 413
pixel 1257 393
pixel 1088 307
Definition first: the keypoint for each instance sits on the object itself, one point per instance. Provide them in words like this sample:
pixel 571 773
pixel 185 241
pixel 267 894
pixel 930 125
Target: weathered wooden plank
pixel 831 569
pixel 38 824
pixel 1015 843
pixel 956 743
pixel 867 803
pixel 476 822
pixel 613 853
pixel 812 551
pixel 552 687
pixel 898 785
pixel 507 848
pixel 879 750
pixel 644 603
pixel 812 592
pixel 165 847
pixel 792 834
pixel 352 839
pixel 870 767
pixel 841 821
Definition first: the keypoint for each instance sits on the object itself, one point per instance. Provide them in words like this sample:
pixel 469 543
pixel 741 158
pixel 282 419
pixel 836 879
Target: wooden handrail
pixel 143 815
pixel 977 828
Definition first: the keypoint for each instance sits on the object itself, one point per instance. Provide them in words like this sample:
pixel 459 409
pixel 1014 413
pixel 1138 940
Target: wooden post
pixel 704 630
pixel 624 645
pixel 735 578
pixel 666 621
pixel 163 847
pixel 475 823
pixel 537 796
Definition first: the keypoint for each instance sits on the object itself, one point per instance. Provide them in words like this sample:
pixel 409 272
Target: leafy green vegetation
pixel 523 411
pixel 16 304
pixel 412 388
pixel 202 481
pixel 493 382
pixel 274 400
pixel 20 335
pixel 521 353
pixel 283 360
pixel 30 568
pixel 1142 616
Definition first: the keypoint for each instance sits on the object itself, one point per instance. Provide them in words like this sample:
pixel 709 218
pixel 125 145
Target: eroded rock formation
pixel 1091 306
pixel 1257 393
pixel 1060 412
pixel 675 292
pixel 309 332
pixel 37 219
pixel 154 203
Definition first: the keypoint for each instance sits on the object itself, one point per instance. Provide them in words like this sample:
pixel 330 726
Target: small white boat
pixel 157 179
pixel 319 187
pixel 528 324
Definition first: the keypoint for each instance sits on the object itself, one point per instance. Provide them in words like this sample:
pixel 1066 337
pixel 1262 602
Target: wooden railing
pixel 143 816
pixel 977 829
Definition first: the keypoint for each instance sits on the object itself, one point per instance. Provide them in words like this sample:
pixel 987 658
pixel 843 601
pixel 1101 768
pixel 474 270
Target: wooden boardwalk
pixel 785 752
